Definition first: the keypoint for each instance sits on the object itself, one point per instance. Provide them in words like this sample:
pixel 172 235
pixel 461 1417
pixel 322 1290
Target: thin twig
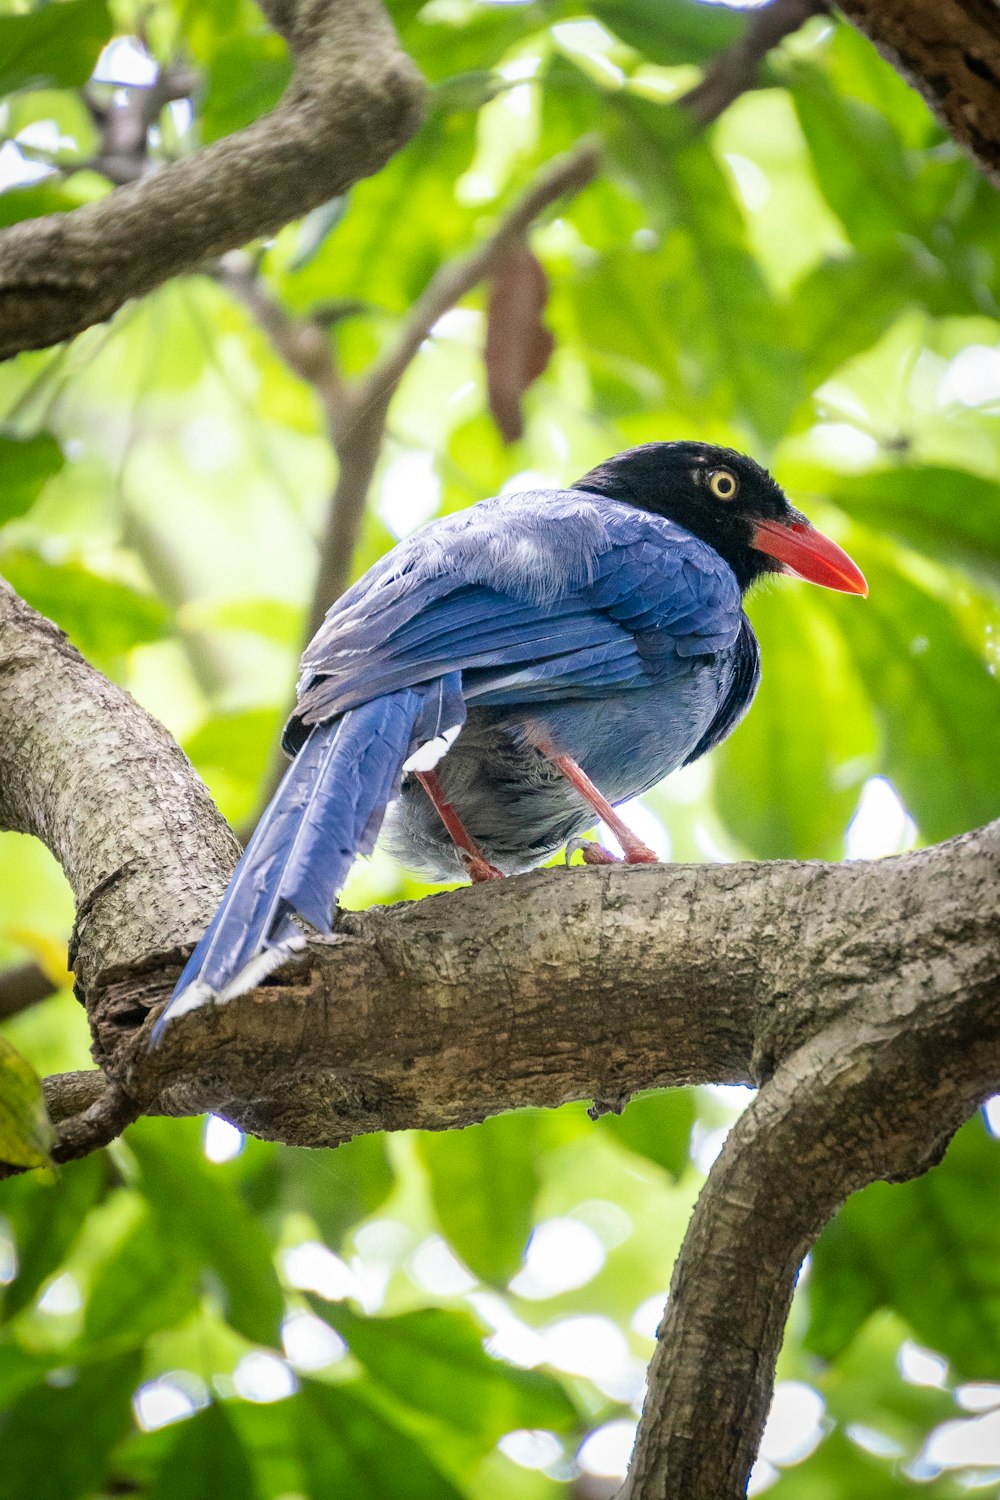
pixel 304 346
pixel 735 70
pixel 23 986
pixel 559 179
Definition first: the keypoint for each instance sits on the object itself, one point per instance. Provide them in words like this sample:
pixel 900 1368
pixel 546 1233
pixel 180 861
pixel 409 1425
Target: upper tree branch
pixel 949 50
pixel 355 98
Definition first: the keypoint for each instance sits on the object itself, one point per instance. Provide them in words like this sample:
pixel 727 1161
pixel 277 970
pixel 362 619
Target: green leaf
pixel 315 228
pixel 655 1125
pixel 877 286
pixel 787 781
pixel 26 1135
pixel 57 44
pixel 714 296
pixel 45 1217
pixel 56 1438
pixel 100 616
pixel 839 1470
pixel 207 1462
pixel 864 1384
pixel 246 77
pixel 25 466
pixel 951 515
pixel 20 1370
pixel 483 1183
pixel 670 31
pixel 40 198
pixel 434 1360
pixel 146 1285
pixel 382 257
pixel 194 1203
pixel 446 42
pixel 336 1187
pixel 350 1449
pixel 930 1249
pixel 860 165
pixel 937 704
pixel 241 742
pixel 274 619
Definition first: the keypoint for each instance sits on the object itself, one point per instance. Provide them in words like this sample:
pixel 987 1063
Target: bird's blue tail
pixel 328 808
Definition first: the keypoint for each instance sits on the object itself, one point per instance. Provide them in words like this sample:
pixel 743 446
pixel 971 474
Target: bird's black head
pixel 729 501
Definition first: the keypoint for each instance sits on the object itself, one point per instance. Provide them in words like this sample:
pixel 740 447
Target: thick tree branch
pixel 87 771
pixel 949 51
pixel 862 997
pixel 355 98
pixel 873 1093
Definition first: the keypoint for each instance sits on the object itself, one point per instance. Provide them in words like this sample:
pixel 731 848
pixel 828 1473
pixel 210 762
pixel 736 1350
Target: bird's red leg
pixel 478 867
pixel 636 852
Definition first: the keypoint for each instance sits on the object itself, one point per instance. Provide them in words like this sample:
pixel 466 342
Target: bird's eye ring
pixel 723 483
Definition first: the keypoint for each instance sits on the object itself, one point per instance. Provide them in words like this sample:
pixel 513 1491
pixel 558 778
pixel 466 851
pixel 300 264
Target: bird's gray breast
pixel 516 805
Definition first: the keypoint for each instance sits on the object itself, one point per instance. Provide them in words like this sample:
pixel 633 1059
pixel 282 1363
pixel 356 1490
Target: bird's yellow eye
pixel 723 484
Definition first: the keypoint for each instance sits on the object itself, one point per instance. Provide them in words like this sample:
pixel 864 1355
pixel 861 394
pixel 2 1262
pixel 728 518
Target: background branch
pixel 735 70
pixel 22 986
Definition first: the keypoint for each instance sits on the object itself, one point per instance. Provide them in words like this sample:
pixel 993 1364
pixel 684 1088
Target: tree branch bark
pixel 354 99
pixel 861 998
pixel 949 51
pixel 87 771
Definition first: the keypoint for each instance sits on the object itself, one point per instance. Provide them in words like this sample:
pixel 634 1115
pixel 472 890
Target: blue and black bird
pixel 505 676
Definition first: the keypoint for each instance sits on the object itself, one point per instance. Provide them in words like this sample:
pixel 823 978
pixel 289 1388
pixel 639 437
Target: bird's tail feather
pixel 328 808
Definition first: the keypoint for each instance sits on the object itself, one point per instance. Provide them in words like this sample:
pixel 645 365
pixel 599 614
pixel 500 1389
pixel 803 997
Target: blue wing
pixel 532 598
pixel 521 599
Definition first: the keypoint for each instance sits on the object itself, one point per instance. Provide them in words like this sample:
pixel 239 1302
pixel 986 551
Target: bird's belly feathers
pixel 516 805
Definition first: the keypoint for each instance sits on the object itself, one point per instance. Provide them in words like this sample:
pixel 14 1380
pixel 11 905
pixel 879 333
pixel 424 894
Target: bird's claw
pixel 479 869
pixel 593 854
pixel 636 853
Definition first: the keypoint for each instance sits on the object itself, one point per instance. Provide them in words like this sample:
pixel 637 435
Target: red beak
pixel 809 554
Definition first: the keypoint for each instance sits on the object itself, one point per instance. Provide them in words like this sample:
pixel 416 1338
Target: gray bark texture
pixel 354 99
pixel 949 51
pixel 861 999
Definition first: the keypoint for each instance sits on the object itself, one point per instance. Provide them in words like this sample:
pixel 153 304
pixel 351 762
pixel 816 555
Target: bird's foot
pixel 593 854
pixel 636 853
pixel 479 869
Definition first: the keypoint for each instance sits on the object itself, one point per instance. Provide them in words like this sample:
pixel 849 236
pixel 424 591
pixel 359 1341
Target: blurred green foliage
pixel 814 279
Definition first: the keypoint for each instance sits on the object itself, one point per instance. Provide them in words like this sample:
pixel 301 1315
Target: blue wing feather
pixel 645 590
pixel 328 808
